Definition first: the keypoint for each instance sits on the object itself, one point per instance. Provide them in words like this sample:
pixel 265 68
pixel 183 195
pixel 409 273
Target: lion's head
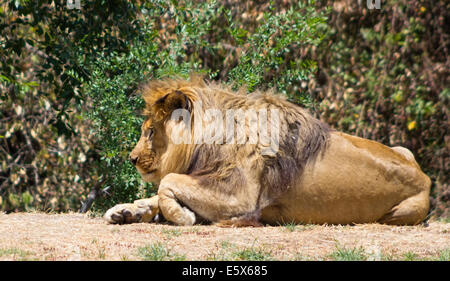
pixel 154 155
pixel 147 152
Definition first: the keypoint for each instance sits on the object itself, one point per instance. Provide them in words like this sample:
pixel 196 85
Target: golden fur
pixel 317 176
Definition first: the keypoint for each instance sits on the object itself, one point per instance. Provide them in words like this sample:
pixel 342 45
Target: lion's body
pixel 356 181
pixel 317 175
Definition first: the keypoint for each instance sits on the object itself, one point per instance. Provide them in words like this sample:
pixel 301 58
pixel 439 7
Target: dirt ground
pixel 40 236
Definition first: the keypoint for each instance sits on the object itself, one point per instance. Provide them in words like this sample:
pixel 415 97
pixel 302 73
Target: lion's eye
pixel 150 133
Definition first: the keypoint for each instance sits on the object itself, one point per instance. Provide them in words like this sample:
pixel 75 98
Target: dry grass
pixel 38 236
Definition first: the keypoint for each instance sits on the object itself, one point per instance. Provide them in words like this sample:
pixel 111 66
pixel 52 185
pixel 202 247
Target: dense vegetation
pixel 70 81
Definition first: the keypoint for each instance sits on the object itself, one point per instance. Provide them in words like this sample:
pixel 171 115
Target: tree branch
pixel 95 192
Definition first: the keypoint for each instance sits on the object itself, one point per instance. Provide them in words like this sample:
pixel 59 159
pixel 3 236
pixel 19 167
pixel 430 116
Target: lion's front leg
pixel 170 194
pixel 142 210
pixel 182 195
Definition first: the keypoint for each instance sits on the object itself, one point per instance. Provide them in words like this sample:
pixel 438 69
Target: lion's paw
pixel 190 216
pixel 129 213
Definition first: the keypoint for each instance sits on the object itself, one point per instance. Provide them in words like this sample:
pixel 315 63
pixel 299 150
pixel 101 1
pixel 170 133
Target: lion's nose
pixel 133 160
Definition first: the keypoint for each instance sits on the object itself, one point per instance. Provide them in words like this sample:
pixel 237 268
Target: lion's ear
pixel 170 102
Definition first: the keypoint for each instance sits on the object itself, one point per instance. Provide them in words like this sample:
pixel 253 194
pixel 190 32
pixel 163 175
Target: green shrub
pixel 45 148
pixel 267 58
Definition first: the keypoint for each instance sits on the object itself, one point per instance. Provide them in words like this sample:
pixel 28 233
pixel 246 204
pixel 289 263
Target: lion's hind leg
pixel 405 152
pixel 410 211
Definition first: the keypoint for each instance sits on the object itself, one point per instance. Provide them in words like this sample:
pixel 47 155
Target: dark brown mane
pixel 212 167
pixel 299 145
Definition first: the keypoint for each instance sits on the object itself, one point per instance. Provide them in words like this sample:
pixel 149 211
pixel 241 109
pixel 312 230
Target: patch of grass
pixel 159 252
pixel 410 256
pixel 348 254
pixel 386 257
pixel 252 254
pixel 101 253
pixel 194 229
pixel 290 226
pixel 225 244
pixel 445 255
pixel 15 252
pixel 221 251
pixel 115 230
pixel 171 232
pixel 444 219
pixel 226 250
pixel 304 227
pixel 300 257
pixel 95 214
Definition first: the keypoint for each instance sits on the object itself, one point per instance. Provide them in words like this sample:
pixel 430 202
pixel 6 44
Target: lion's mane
pixel 302 137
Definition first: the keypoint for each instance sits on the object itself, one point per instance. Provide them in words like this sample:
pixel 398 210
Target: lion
pixel 316 175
